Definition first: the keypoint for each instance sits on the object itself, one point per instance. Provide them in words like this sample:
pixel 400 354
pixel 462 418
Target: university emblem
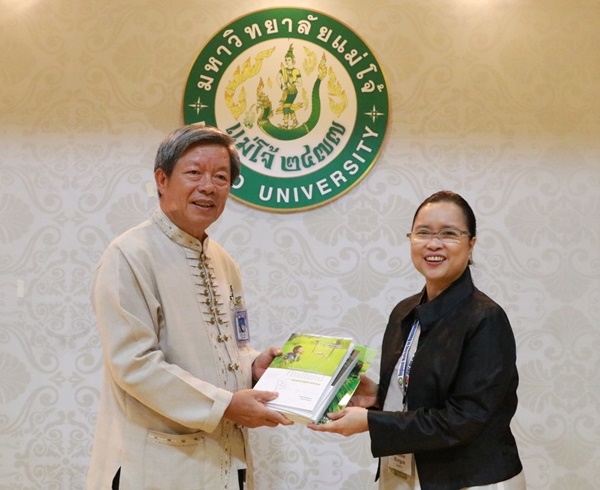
pixel 303 97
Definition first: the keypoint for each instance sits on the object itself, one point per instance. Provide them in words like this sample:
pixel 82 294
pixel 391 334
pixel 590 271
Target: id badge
pixel 242 331
pixel 401 465
pixel 240 318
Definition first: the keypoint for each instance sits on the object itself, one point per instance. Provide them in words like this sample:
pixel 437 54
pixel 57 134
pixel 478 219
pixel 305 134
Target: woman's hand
pixel 346 422
pixel 366 393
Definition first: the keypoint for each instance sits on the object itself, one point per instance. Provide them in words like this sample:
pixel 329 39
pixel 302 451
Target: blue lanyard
pixel 406 360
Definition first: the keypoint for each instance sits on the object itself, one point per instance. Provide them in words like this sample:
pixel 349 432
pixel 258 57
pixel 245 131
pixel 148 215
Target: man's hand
pixel 248 410
pixel 345 422
pixel 366 393
pixel 261 363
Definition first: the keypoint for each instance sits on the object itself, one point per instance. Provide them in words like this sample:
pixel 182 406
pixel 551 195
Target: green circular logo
pixel 303 97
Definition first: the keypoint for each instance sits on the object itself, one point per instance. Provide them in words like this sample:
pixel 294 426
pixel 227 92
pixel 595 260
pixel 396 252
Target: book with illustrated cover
pixel 308 374
pixel 343 395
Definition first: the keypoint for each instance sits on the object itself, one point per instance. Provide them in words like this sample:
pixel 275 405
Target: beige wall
pixel 498 100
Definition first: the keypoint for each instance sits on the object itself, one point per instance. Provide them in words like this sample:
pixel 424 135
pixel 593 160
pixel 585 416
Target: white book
pixel 308 375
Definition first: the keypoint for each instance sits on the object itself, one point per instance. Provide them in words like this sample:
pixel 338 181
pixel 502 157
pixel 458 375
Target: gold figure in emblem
pixel 290 80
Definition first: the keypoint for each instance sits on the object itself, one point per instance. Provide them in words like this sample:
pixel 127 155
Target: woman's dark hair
pixel 179 141
pixel 449 196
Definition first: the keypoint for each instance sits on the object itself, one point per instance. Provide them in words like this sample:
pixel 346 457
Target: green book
pixel 343 395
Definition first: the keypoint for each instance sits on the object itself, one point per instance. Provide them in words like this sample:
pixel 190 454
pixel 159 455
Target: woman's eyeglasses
pixel 447 235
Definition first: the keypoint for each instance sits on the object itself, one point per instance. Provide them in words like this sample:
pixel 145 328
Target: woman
pixel 440 417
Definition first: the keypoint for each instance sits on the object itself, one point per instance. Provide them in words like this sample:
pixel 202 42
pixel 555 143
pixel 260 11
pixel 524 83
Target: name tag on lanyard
pixel 401 465
pixel 406 360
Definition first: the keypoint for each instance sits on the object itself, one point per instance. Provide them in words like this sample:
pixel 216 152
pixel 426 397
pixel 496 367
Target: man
pixel 176 393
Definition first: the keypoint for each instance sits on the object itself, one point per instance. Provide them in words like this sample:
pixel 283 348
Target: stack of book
pixel 315 375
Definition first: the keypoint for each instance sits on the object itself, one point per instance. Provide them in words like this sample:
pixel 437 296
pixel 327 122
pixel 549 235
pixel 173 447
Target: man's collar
pixel 176 234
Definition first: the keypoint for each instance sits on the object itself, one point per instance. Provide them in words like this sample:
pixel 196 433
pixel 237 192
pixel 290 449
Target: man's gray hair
pixel 179 141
